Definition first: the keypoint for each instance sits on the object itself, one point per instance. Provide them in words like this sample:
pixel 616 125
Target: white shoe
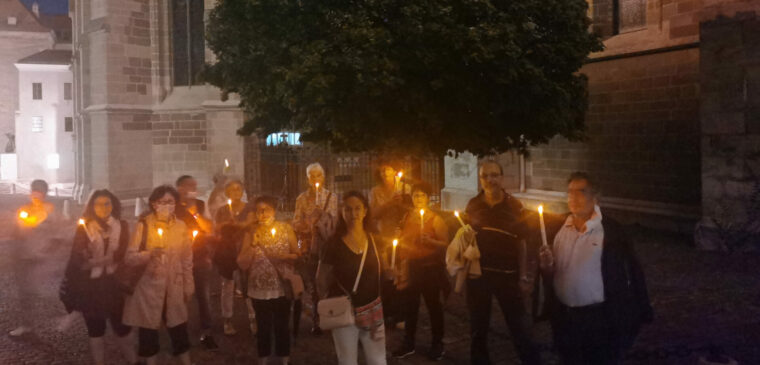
pixel 229 329
pixel 20 331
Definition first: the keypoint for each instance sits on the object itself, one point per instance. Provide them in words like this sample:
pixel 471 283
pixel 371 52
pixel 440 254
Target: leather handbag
pixel 337 312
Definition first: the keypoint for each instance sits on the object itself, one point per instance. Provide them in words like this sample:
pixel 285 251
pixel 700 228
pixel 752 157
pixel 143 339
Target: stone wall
pixel 730 114
pixel 642 128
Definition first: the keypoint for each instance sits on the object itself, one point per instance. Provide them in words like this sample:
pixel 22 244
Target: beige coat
pixel 166 280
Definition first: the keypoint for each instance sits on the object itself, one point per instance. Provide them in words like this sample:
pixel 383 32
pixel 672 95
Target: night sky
pixel 49 6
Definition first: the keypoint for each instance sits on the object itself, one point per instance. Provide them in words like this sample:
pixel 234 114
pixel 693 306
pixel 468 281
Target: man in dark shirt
pixel 190 210
pixel 500 235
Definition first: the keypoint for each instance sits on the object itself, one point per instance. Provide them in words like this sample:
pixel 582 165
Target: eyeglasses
pixel 492 176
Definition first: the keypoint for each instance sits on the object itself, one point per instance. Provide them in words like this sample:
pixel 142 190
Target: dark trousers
pixel 147 340
pixel 505 288
pixel 272 318
pixel 423 283
pixel 202 279
pixel 586 336
pixel 96 326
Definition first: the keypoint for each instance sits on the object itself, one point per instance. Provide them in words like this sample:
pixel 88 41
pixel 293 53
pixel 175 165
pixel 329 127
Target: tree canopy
pixel 406 76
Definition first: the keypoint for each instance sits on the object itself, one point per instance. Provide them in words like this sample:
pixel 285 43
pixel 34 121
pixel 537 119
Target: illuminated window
pixel 36 91
pixel 37 124
pixel 68 124
pixel 289 138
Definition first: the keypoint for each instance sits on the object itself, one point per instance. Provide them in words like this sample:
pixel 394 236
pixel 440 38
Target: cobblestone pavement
pixel 700 299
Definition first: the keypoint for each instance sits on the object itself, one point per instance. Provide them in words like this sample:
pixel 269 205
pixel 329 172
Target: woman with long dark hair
pixel 100 244
pixel 338 271
pixel 164 243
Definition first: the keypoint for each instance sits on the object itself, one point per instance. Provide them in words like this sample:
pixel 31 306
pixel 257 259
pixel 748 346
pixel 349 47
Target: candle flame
pixel 226 163
pixel 540 209
pixel 395 243
pixel 229 202
pixel 317 185
pixel 160 232
pixel 422 212
pixel 81 221
pixel 195 233
pixel 23 214
pixel 456 213
pixel 400 174
pixel 274 231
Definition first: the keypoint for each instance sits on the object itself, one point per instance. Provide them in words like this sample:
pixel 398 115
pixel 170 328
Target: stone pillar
pixel 730 119
pixel 461 181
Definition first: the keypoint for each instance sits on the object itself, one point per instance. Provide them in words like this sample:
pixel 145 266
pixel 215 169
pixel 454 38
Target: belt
pixel 586 309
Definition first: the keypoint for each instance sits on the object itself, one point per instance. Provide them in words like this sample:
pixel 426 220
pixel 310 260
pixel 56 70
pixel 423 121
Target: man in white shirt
pixel 597 293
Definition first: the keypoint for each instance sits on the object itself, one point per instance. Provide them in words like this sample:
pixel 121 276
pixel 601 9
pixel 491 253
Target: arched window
pixel 631 15
pixel 188 49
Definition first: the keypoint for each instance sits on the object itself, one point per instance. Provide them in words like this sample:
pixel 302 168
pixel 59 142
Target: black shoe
pixel 436 352
pixel 404 351
pixel 208 342
pixel 316 331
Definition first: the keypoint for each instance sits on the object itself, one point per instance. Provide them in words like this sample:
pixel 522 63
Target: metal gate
pixel 280 171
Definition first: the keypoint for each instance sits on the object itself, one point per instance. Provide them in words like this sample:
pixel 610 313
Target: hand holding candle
pixel 195 234
pixel 399 187
pixel 543 227
pixel 316 193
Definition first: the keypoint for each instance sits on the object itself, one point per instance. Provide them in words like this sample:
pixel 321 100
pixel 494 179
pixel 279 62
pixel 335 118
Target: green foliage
pixel 406 76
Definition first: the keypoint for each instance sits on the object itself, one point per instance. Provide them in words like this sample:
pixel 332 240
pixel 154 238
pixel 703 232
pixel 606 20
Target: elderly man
pixel 497 219
pixel 596 292
pixel 314 222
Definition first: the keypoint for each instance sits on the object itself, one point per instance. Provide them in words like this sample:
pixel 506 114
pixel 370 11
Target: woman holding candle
pixel 339 269
pixel 269 251
pixel 424 238
pixel 162 293
pixel 100 244
pixel 231 222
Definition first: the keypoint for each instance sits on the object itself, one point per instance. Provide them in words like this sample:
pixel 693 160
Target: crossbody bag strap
pixel 361 268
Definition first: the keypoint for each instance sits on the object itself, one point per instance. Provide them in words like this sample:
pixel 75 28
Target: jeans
pixel 423 283
pixel 272 319
pixel 346 341
pixel 202 279
pixel 505 288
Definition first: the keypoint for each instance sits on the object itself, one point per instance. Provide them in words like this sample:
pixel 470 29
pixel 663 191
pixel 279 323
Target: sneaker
pixel 208 342
pixel 404 351
pixel 229 329
pixel 20 331
pixel 436 352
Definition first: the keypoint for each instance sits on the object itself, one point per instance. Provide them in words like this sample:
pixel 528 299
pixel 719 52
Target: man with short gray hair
pixel 596 292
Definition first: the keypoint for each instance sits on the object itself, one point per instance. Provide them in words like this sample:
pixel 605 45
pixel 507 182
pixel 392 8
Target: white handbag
pixel 337 312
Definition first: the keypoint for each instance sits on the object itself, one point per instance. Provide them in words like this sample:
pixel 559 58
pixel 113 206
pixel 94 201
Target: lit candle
pixel 81 222
pixel 161 243
pixel 393 255
pixel 456 214
pixel 543 227
pixel 422 220
pixel 398 181
pixel 229 202
pixel 316 191
pixel 226 164
pixel 274 232
pixel 23 214
pixel 195 234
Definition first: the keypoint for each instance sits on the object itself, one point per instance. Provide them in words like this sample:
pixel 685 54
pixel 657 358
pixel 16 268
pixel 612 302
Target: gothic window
pixel 631 15
pixel 188 47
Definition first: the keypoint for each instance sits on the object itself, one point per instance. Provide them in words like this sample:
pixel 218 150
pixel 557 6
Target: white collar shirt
pixel 578 259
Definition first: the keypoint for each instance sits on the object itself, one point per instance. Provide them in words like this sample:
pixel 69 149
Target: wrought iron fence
pixel 281 171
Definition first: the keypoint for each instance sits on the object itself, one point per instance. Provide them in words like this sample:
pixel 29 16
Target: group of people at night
pixel 385 252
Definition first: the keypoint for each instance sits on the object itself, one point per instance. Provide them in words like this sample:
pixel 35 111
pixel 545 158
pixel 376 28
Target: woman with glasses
pixel 161 295
pixel 100 243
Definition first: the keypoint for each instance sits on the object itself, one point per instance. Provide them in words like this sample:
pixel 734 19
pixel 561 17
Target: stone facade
pixel 646 124
pixel 137 129
pixel 730 114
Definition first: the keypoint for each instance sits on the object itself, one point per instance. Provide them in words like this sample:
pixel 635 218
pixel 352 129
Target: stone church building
pixel 673 124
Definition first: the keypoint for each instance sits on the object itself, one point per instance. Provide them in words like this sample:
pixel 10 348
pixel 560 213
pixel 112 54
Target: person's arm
pixel 187 267
pixel 299 216
pixel 134 256
pixel 246 255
